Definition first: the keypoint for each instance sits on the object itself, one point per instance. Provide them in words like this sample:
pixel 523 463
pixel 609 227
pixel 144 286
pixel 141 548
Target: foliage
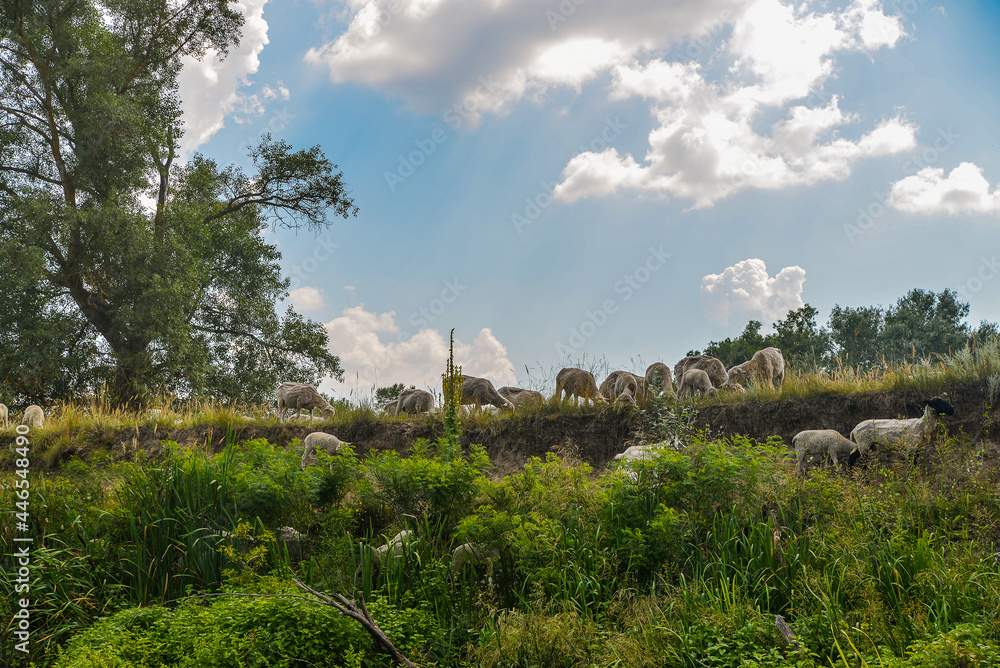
pixel 384 395
pixel 801 342
pixel 101 294
pixel 921 324
pixel 683 559
pixel 436 481
pixel 237 631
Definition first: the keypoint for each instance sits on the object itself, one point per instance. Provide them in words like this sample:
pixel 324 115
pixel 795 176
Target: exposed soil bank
pixel 594 438
pixel 786 418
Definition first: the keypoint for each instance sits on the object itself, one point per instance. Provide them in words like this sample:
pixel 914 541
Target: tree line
pixel 920 325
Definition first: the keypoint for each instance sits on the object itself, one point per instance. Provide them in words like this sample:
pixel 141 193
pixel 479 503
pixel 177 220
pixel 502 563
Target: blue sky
pixel 606 180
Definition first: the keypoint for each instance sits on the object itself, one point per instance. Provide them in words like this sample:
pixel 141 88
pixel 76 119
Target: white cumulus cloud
pixel 493 54
pixel 963 191
pixel 767 58
pixel 373 349
pixel 307 298
pixel 708 145
pixel 209 88
pixel 745 291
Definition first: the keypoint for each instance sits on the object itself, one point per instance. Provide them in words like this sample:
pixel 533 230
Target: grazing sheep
pixel 298 396
pixel 695 381
pixel 521 397
pixel 469 409
pixel 414 401
pixel 827 444
pixel 714 367
pixel 658 376
pixel 637 452
pixel 766 364
pixel 395 546
pixel 577 383
pixel 912 435
pixel 610 389
pixel 34 417
pixel 319 439
pixel 4 421
pixel 390 408
pixel 469 554
pixel 480 391
pixel 629 388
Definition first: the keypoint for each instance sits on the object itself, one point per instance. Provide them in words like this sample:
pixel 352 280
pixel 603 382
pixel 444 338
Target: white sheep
pixel 414 401
pixel 394 548
pixel 623 387
pixel 713 366
pixel 480 392
pixel 694 381
pixel 827 444
pixel 658 376
pixel 638 452
pixel 4 421
pixel 577 383
pixel 319 439
pixel 390 408
pixel 298 396
pixel 521 397
pixel 468 554
pixel 912 435
pixel 34 417
pixel 767 364
pixel 625 391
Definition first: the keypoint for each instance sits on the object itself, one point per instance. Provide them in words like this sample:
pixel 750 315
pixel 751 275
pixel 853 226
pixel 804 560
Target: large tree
pixel 855 333
pixel 924 323
pixel 100 287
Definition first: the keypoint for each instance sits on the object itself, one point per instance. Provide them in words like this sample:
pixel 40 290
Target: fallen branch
pixel 359 612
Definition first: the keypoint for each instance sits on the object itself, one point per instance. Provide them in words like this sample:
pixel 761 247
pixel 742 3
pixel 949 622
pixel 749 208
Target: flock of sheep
pixel 33 417
pixel 695 374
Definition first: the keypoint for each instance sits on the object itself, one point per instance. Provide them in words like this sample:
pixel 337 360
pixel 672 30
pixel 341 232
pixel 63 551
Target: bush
pixel 233 631
pixel 438 483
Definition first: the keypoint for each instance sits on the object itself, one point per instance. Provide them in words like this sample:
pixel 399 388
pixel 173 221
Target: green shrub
pixel 235 631
pixel 435 482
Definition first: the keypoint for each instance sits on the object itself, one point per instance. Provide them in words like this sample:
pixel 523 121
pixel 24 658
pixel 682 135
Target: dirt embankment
pixel 973 418
pixel 594 438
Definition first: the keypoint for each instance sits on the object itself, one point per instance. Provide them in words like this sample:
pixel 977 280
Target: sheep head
pixel 940 406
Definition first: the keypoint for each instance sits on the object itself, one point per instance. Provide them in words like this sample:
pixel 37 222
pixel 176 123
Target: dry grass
pixel 70 423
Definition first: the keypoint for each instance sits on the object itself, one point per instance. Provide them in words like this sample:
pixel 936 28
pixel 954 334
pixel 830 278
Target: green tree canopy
pixel 98 289
pixel 802 342
pixel 923 323
pixel 920 324
pixel 855 333
pixel 384 395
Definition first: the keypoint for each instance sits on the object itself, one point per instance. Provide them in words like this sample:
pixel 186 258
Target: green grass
pixel 681 560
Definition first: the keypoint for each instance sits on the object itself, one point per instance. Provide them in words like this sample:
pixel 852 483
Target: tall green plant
pixel 171 517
